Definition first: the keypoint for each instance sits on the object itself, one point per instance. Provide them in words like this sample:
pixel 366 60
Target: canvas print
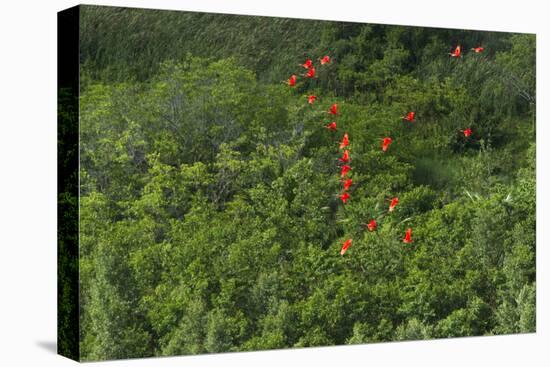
pixel 235 183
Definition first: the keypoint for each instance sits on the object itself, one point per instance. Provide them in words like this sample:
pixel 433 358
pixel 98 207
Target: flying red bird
pixel 311 99
pixel 372 225
pixel 333 109
pixel 325 60
pixel 345 247
pixel 456 52
pixel 345 197
pixel 409 116
pixel 310 72
pixel 307 64
pixel 478 49
pixel 347 184
pixel 467 132
pixel 345 141
pixel 331 126
pixel 393 204
pixel 292 80
pixel 408 234
pixel 345 170
pixel 386 143
pixel 345 157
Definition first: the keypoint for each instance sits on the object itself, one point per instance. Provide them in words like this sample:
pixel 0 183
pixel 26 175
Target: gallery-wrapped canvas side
pixel 67 189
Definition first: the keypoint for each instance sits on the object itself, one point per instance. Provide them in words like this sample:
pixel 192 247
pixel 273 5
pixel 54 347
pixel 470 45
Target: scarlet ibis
pixel 310 72
pixel 307 64
pixel 325 60
pixel 345 170
pixel 456 52
pixel 331 126
pixel 409 116
pixel 408 235
pixel 345 157
pixel 292 80
pixel 345 247
pixel 345 197
pixel 372 225
pixel 393 204
pixel 478 49
pixel 345 141
pixel 467 132
pixel 347 184
pixel 386 143
pixel 311 99
pixel 333 109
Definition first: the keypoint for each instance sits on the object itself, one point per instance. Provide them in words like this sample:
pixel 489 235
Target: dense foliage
pixel 209 215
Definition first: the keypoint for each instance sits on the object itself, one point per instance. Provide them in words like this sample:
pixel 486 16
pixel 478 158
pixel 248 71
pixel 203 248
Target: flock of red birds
pixel 345 159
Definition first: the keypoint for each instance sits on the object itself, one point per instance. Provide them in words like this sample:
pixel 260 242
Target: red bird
pixel 325 60
pixel 372 225
pixel 345 141
pixel 345 170
pixel 408 234
pixel 292 80
pixel 478 49
pixel 311 99
pixel 393 204
pixel 347 184
pixel 307 64
pixel 467 132
pixel 310 73
pixel 409 117
pixel 386 143
pixel 333 109
pixel 331 126
pixel 456 52
pixel 345 157
pixel 345 247
pixel 345 197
